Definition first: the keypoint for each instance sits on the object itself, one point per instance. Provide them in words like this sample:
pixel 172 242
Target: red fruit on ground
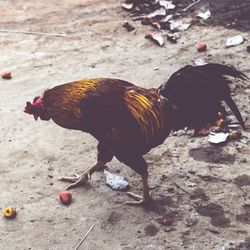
pixel 202 47
pixel 6 75
pixel 65 197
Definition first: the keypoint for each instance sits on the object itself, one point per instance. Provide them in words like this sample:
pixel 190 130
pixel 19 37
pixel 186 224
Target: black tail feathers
pixel 220 70
pixel 197 93
pixel 231 104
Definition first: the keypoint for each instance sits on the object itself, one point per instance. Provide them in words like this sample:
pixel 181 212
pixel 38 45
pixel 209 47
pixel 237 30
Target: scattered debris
pixel 65 197
pixel 191 221
pixel 235 40
pixel 156 68
pixel 179 25
pixel 213 231
pixel 115 182
pixel 9 212
pixel 43 65
pixel 204 15
pixel 32 33
pixel 158 13
pixel 209 178
pixel 234 135
pixel 7 75
pixel 202 47
pixel 167 221
pixel 199 62
pixel 191 5
pixel 178 186
pixel 156 37
pixel 217 138
pixel 173 37
pixel 128 6
pixel 190 184
pixel 168 5
pixel 85 236
pixel 167 18
pixel 128 26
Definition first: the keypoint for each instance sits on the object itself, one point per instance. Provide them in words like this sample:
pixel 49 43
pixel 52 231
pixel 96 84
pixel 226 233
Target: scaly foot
pixel 81 180
pixel 139 200
pixel 78 180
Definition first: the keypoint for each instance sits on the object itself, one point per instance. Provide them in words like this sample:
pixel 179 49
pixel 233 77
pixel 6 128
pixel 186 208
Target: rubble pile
pixel 168 18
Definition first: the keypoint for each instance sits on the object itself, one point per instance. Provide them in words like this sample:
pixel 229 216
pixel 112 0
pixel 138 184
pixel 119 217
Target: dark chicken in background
pixel 128 121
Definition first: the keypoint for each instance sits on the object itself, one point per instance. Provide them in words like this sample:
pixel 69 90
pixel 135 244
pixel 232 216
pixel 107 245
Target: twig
pixel 178 186
pixel 44 65
pixel 32 33
pixel 244 193
pixel 86 235
pixel 191 5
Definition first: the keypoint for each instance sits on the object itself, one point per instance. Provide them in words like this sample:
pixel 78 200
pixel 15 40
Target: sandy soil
pixel 211 213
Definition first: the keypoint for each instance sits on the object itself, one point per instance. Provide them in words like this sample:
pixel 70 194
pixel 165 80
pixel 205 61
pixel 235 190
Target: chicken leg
pixel 141 200
pixel 82 179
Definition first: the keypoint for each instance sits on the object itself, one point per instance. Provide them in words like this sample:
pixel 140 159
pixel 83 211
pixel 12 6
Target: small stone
pixel 191 222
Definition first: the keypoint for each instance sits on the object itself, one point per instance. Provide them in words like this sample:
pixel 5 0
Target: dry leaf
pixel 128 6
pixel 204 15
pixel 157 38
pixel 179 26
pixel 158 13
pixel 168 5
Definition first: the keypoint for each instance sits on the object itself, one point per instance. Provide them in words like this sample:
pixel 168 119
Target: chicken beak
pixel 36 117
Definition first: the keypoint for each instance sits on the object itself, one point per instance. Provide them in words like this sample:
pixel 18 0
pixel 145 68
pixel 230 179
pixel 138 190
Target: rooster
pixel 128 121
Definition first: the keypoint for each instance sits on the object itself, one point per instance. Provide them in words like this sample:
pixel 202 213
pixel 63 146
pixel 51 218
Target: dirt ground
pixel 195 182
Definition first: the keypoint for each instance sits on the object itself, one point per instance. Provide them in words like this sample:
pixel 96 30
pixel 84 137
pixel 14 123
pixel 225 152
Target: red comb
pixel 28 108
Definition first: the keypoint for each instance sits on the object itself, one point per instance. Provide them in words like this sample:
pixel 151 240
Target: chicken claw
pixel 139 200
pixel 78 180
pixel 81 180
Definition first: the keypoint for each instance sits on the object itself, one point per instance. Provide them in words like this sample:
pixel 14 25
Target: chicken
pixel 128 121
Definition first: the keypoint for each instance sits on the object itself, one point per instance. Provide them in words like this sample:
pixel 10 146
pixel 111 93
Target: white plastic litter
pixel 190 184
pixel 179 25
pixel 199 62
pixel 158 13
pixel 204 15
pixel 128 6
pixel 115 182
pixel 167 18
pixel 217 138
pixel 168 5
pixel 235 40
